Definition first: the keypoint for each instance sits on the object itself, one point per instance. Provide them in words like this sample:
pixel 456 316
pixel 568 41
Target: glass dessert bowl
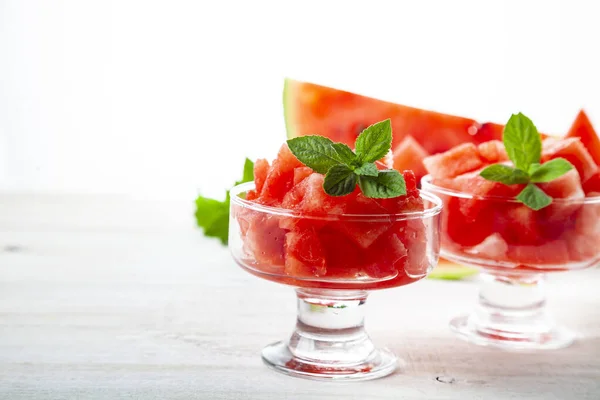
pixel 516 247
pixel 333 260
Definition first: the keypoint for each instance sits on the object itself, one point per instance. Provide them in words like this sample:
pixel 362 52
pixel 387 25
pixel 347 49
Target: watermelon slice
pixel 409 155
pixel 582 128
pixel 573 150
pixel 313 109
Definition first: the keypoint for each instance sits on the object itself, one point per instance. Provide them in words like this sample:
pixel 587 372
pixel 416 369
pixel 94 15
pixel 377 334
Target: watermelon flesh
pixel 583 130
pixel 306 249
pixel 573 150
pixel 454 162
pixel 340 115
pixel 492 152
pixel 492 226
pixel 409 155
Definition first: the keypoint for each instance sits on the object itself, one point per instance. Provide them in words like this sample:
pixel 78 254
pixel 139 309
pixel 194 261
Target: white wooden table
pixel 107 297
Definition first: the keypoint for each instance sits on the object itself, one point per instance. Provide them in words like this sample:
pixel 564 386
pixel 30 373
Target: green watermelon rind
pixel 289 113
pixel 452 273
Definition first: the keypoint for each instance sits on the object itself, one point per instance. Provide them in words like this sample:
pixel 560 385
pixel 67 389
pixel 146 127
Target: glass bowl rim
pixel 427 186
pixel 427 213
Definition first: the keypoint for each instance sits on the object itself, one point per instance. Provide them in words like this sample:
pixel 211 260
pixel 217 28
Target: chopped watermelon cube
pixel 300 173
pixel 363 233
pixel 464 230
pixel 587 221
pixel 454 162
pixel 582 128
pixel 342 256
pixel 411 182
pixel 554 252
pixel 416 264
pixel 517 224
pixel 492 151
pixel 280 177
pixel 304 255
pixel 583 247
pixel 263 238
pixel 567 186
pixel 383 255
pixel 261 169
pixel 592 185
pixel 557 216
pixel 309 197
pixel 573 151
pixel 409 155
pixel 493 247
pixel 251 195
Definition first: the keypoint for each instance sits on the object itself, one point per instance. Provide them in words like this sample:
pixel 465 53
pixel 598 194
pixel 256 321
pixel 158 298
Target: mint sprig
pixel 213 215
pixel 524 148
pixel 344 169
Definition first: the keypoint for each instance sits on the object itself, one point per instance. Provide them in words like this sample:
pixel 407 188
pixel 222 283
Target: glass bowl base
pixel 553 338
pixel 380 363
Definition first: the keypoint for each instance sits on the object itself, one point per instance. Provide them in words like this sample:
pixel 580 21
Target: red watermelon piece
pixel 261 169
pixel 493 247
pixel 583 130
pixel 517 224
pixel 300 173
pixel 464 230
pixel 492 151
pixel 583 247
pixel 587 222
pixel 342 256
pixel 409 155
pixel 559 216
pixel 263 238
pixel 555 252
pixel 573 150
pixel 304 255
pixel 383 254
pixel 363 233
pixel 280 177
pixel 454 162
pixel 340 115
pixel 567 186
pixel 592 185
pixel 414 235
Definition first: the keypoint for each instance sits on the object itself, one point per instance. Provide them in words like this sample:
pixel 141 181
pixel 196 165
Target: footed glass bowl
pixel 333 261
pixel 515 247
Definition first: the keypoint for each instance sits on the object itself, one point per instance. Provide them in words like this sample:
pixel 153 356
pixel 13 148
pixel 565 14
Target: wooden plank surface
pixel 108 297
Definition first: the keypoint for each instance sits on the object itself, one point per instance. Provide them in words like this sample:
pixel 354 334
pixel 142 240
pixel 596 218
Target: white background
pixel 165 99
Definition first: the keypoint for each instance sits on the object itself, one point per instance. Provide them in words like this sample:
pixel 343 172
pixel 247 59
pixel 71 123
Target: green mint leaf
pixel 345 153
pixel 534 197
pixel 388 183
pixel 504 174
pixel 248 172
pixel 316 152
pixel 339 181
pixel 220 228
pixel 369 169
pixel 374 142
pixel 550 170
pixel 213 217
pixel 522 141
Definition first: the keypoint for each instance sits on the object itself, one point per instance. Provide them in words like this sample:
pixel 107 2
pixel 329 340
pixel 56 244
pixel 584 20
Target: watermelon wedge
pixel 447 270
pixel 313 109
pixel 582 128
